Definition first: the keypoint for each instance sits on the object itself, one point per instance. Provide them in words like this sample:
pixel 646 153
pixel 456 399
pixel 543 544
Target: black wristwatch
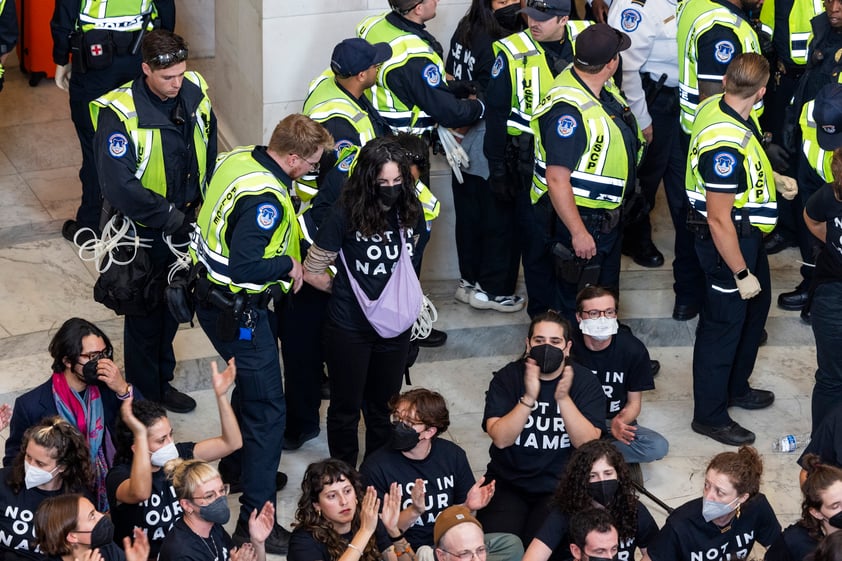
pixel 740 275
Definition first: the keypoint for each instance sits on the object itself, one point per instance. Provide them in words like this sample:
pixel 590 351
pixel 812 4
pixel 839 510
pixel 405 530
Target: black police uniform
pixel 149 357
pixel 510 161
pixel 89 85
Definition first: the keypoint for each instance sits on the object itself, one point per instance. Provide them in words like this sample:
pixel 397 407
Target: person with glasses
pixel 138 490
pixel 104 39
pixel 522 74
pixel 435 472
pixel 538 409
pixel 200 534
pixel 53 461
pixel 458 536
pixel 85 389
pixel 155 148
pixel 247 249
pixel 621 363
pixel 69 528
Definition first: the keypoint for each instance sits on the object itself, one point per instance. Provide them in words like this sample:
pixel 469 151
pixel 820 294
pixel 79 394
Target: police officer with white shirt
pixel 650 83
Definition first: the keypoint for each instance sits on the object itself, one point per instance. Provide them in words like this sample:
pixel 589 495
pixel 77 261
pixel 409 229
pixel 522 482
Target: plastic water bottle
pixel 790 442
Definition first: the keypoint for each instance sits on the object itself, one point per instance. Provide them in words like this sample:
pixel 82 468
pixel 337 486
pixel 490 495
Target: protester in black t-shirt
pixel 69 528
pixel 53 460
pixel 199 534
pixel 821 512
pixel 597 473
pixel 826 442
pixel 138 490
pixel 372 224
pixel 537 410
pixel 726 521
pixel 331 524
pixel 823 216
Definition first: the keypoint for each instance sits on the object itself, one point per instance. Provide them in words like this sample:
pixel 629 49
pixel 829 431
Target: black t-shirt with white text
pixel 553 534
pixel 156 514
pixel 447 479
pixel 536 461
pixel 824 207
pixel 621 367
pixel 793 544
pixel 304 547
pixel 687 537
pixel 17 526
pixel 183 544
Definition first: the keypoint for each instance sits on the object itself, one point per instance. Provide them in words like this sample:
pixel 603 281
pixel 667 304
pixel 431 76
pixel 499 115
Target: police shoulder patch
pixel 345 164
pixel 724 51
pixel 341 145
pixel 498 66
pixel 117 145
pixel 566 126
pixel 267 215
pixel 724 164
pixel 630 20
pixel 432 75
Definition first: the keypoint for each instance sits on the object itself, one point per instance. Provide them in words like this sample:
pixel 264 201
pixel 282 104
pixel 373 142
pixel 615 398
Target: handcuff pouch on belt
pixel 229 304
pixel 698 224
pixel 520 160
pixel 179 295
pixel 574 270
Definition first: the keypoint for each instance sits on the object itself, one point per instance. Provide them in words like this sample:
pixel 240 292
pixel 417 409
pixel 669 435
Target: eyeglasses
pixel 395 418
pixel 213 495
pixel 96 355
pixel 167 59
pixel 610 313
pixel 468 554
pixel 315 167
pixel 539 5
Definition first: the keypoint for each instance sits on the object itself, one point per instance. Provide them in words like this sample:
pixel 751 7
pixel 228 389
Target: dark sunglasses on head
pixel 168 58
pixel 539 5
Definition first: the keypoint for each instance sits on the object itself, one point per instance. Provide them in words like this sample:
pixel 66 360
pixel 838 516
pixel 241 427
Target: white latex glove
pixel 63 76
pixel 786 186
pixel 749 287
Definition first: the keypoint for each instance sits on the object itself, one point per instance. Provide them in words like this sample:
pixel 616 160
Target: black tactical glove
pixel 462 89
pixel 503 187
pixel 778 157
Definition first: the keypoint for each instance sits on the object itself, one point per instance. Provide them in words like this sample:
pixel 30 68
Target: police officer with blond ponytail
pixel 731 189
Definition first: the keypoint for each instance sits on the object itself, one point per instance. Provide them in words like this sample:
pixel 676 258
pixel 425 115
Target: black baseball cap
pixel 542 10
pixel 827 113
pixel 352 56
pixel 599 43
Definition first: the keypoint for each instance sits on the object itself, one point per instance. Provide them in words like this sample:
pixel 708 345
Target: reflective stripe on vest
pixel 405 47
pixel 118 15
pixel 151 169
pixel 238 175
pixel 715 129
pixel 799 30
pixel 695 17
pixel 599 179
pixel 818 158
pixel 428 201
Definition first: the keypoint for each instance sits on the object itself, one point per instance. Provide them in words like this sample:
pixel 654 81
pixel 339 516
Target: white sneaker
pixel 464 291
pixel 481 300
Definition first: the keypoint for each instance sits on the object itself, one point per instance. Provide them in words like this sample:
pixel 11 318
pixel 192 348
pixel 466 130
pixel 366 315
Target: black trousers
pixel 513 511
pixel 729 330
pixel 486 241
pixel 538 269
pixel 300 329
pixel 365 371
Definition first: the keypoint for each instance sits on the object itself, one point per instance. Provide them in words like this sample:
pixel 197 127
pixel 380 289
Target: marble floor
pixel 43 282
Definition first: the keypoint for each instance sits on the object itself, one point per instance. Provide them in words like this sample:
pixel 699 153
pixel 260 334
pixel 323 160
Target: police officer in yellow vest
pixel 587 148
pixel 104 37
pixel 248 244
pixel 8 33
pixel 731 188
pixel 411 91
pixel 525 66
pixel 155 145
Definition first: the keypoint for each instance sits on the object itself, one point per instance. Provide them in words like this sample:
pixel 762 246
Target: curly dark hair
pixel 819 478
pixel 317 476
pixel 67 342
pixel 360 197
pixel 743 467
pixel 66 445
pixel 572 495
pixel 148 413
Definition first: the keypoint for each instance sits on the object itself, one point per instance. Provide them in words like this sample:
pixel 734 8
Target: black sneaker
pixel 436 338
pixel 71 227
pixel 296 442
pixel 277 543
pixel 178 402
pixel 237 487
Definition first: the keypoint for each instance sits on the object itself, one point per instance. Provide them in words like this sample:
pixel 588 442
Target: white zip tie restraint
pixel 424 324
pixel 182 258
pixel 102 250
pixel 456 155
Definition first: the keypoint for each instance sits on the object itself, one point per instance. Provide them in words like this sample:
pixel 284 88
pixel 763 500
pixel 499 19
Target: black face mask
pixel 835 520
pixel 102 533
pixel 548 357
pixel 590 558
pixel 389 195
pixel 509 18
pixel 603 491
pixel 404 438
pixel 89 375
